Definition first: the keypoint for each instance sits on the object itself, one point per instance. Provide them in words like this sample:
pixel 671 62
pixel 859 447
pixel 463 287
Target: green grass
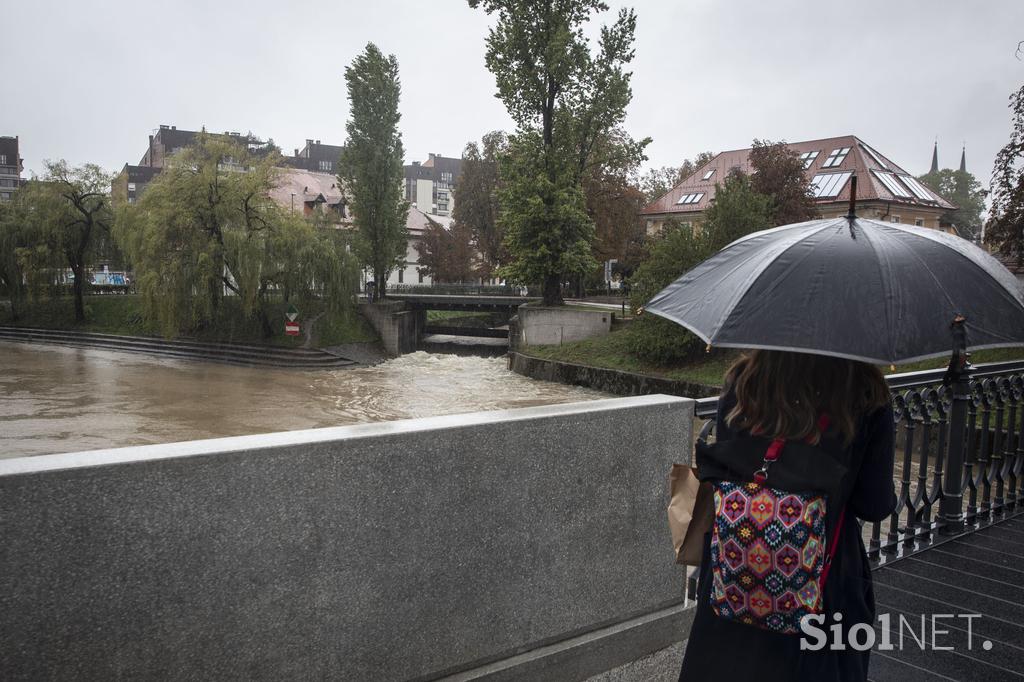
pixel 612 351
pixel 115 314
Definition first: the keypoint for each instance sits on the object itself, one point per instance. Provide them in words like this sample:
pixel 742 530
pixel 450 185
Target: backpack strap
pixel 832 550
pixel 775 449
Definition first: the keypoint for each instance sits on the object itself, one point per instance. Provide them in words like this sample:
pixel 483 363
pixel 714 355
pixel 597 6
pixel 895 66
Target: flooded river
pixel 56 399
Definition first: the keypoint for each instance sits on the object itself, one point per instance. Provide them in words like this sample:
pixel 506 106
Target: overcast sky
pixel 89 80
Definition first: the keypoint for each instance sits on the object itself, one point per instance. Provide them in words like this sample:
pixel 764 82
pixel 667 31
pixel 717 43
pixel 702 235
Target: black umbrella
pixel 849 287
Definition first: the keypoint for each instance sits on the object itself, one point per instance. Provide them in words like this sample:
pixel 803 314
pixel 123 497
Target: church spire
pixel 963 159
pixel 935 158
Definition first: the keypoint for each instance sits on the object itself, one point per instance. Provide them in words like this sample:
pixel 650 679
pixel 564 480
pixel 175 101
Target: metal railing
pixel 462 290
pixel 945 484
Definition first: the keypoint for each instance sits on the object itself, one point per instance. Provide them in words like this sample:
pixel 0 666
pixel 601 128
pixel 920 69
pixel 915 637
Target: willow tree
pixel 371 164
pixel 206 227
pixel 563 97
pixel 68 210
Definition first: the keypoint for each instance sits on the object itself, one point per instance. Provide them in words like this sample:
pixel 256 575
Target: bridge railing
pixel 993 449
pixel 462 290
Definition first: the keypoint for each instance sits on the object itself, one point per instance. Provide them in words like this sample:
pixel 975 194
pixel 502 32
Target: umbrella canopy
pixel 854 288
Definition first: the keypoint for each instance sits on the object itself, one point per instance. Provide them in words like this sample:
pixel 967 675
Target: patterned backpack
pixel 769 558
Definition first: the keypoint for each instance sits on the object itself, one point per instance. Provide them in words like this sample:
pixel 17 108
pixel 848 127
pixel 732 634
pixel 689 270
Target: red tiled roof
pixel 862 159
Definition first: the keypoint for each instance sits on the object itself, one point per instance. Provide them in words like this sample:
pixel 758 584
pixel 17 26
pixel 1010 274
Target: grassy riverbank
pixel 613 351
pixel 115 314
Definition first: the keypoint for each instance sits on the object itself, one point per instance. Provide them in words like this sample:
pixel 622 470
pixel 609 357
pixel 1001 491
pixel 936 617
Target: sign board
pixel 291 328
pixel 292 313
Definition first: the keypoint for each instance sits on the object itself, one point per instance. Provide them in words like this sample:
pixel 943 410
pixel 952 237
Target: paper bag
pixel 690 513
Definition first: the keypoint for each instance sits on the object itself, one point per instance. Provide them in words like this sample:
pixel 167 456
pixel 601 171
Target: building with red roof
pixel 885 191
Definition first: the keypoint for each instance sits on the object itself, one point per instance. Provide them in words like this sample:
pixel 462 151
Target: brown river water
pixel 60 399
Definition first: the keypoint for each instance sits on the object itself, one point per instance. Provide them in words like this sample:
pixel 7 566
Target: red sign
pixel 291 328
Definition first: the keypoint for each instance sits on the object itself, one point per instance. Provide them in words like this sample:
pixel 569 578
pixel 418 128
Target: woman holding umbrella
pixel 806 423
pixel 783 394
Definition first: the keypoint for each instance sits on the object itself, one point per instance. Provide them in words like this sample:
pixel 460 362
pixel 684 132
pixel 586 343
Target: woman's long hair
pixel 782 394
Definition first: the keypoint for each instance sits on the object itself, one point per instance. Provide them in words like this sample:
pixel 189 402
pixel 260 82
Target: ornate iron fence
pixel 951 474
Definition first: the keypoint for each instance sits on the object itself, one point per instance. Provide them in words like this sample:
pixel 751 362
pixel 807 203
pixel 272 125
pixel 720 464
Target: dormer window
pixel 808 158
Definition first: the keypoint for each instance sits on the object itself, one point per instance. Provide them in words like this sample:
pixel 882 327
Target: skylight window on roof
pixel 707 176
pixel 874 155
pixel 919 190
pixel 836 157
pixel 808 158
pixel 690 198
pixel 829 184
pixel 892 184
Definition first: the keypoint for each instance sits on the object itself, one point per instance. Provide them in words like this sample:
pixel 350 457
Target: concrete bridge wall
pixel 525 544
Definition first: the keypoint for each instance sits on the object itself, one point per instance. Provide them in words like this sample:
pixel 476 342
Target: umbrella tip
pixel 852 214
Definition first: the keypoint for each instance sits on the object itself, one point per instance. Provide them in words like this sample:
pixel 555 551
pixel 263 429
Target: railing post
pixel 957 376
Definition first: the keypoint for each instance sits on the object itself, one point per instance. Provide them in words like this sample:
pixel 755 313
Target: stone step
pixel 241 354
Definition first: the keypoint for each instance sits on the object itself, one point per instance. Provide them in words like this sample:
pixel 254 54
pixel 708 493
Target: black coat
pixel 718 649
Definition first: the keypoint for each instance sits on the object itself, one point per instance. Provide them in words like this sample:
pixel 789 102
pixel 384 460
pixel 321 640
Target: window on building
pixel 919 190
pixel 707 176
pixel 8 183
pixel 875 156
pixel 401 275
pixel 326 165
pixel 892 184
pixel 895 219
pixel 829 184
pixel 836 157
pixel 131 200
pixel 808 158
pixel 919 222
pixel 5 196
pixel 421 276
pixel 3 159
pixel 690 198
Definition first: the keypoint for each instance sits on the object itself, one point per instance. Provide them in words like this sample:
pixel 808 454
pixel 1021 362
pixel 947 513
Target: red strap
pixel 832 551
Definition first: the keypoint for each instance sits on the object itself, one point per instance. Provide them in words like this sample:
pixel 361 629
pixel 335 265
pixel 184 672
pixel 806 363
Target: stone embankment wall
pixel 608 380
pixel 524 544
pixel 398 325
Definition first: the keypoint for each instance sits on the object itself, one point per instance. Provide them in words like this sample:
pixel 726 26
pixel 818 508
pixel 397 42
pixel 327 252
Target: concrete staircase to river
pixel 229 353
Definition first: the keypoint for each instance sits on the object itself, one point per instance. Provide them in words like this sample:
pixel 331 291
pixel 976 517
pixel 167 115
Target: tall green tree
pixel 206 225
pixel 962 189
pixel 371 163
pixel 69 211
pixel 780 175
pixel 1005 227
pixel 476 201
pixel 563 97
